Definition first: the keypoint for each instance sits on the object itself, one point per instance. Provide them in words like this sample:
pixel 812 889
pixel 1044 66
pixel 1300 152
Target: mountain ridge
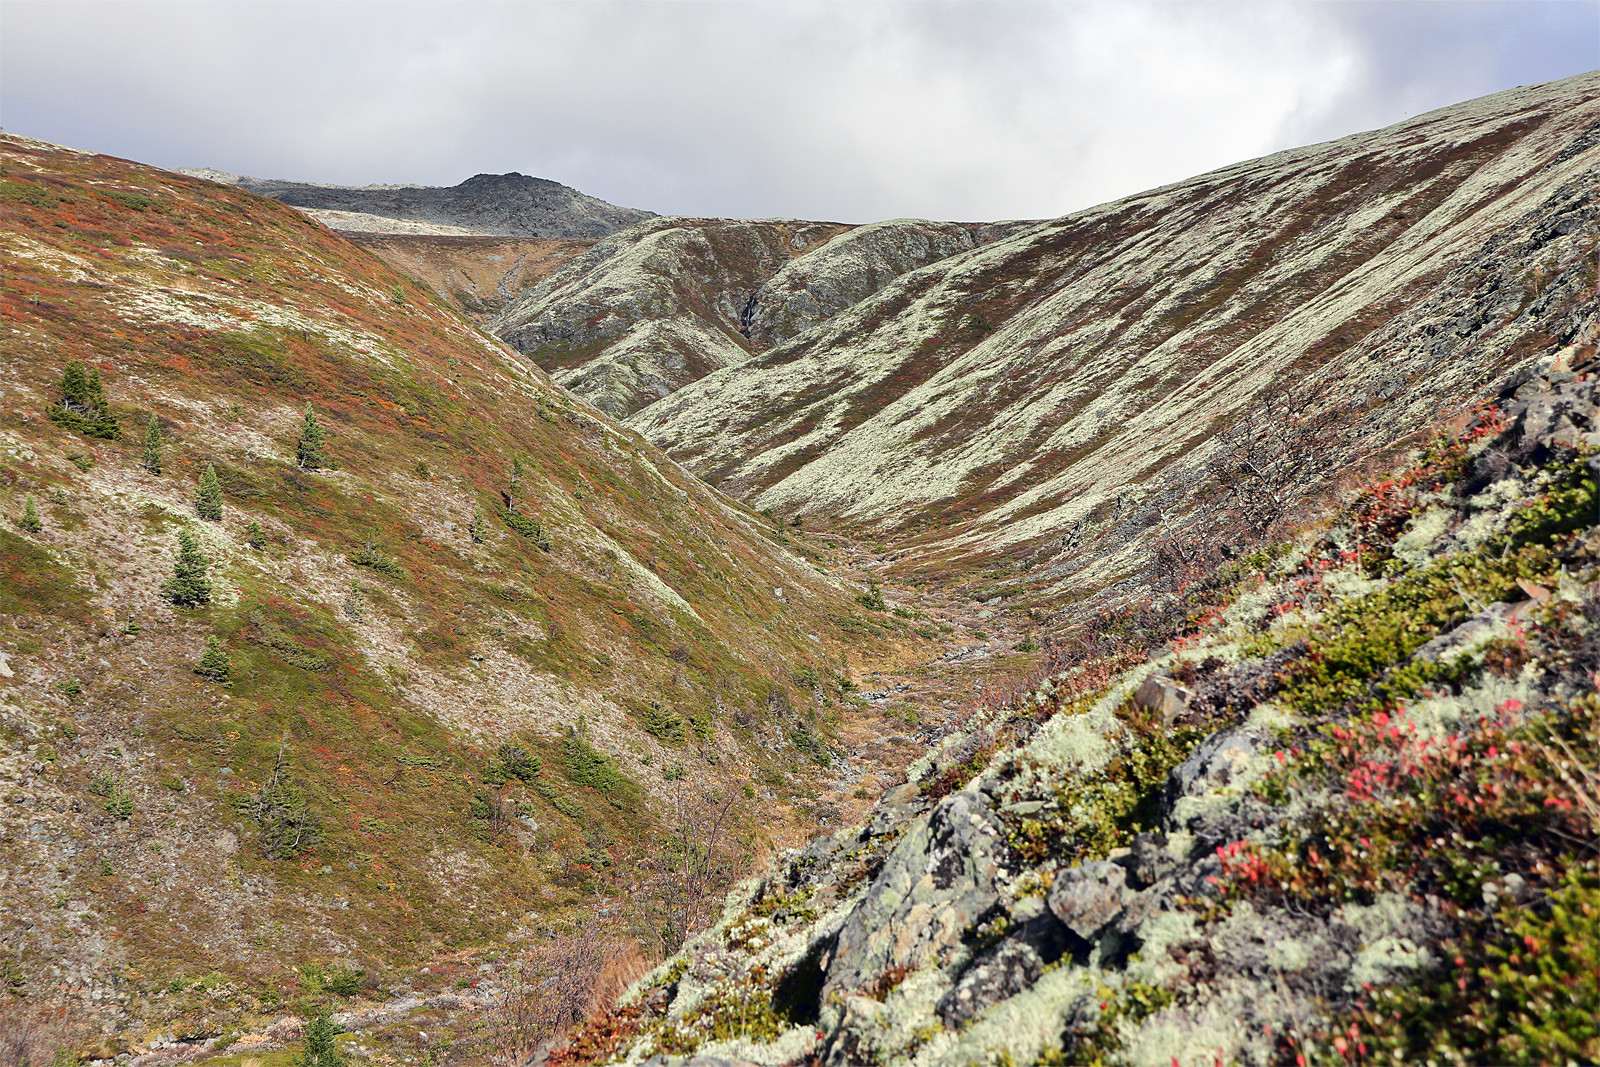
pixel 489 205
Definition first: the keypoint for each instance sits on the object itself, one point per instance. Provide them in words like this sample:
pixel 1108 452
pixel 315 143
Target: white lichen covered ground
pixel 1393 272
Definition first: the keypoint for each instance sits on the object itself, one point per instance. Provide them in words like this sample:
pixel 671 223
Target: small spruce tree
pixel 30 517
pixel 208 498
pixel 476 525
pixel 321 1044
pixel 152 446
pixel 82 406
pixel 255 536
pixel 74 384
pixel 213 662
pixel 188 584
pixel 309 453
pixel 514 488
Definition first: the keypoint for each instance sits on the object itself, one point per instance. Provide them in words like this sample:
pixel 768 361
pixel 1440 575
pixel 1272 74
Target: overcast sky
pixel 836 111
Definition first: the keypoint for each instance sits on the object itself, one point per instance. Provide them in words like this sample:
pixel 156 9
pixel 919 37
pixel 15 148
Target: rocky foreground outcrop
pixel 1366 835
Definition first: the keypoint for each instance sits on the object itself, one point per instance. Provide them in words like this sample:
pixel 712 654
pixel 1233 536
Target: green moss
pixel 1566 506
pixel 1094 812
pixel 1131 1004
pixel 740 1010
pixel 1350 653
pixel 1521 989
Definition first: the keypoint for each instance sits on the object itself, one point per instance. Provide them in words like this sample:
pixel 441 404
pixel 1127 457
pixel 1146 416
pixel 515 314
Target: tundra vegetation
pixel 280 685
pixel 494 700
pixel 1366 834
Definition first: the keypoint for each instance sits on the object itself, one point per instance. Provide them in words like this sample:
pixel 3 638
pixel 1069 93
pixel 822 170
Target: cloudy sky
pixel 840 111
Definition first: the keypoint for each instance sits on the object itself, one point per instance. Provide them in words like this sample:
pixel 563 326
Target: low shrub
pixel 288 825
pixel 528 527
pixel 374 558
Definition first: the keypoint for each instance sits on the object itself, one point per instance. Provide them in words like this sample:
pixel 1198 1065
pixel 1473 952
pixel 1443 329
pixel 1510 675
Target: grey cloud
pixel 850 112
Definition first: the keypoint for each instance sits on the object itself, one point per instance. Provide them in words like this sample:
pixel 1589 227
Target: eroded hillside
pixel 466 652
pixel 1053 399
pixel 479 276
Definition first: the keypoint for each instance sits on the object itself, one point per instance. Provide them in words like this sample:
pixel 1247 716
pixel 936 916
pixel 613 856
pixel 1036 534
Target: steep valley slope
pixel 1043 405
pixel 487 660
pixel 470 658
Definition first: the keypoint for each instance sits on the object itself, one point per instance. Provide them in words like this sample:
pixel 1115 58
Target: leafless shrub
pixel 691 865
pixel 1275 464
pixel 28 1038
pixel 553 985
pixel 1281 448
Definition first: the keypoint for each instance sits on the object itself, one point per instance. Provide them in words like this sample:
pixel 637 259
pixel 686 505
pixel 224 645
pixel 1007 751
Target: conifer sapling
pixel 514 488
pixel 30 517
pixel 188 584
pixel 213 662
pixel 321 1046
pixel 309 453
pixel 152 446
pixel 208 498
pixel 255 536
pixel 475 525
pixel 83 407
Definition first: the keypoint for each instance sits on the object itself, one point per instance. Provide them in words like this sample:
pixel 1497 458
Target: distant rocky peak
pixel 490 205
